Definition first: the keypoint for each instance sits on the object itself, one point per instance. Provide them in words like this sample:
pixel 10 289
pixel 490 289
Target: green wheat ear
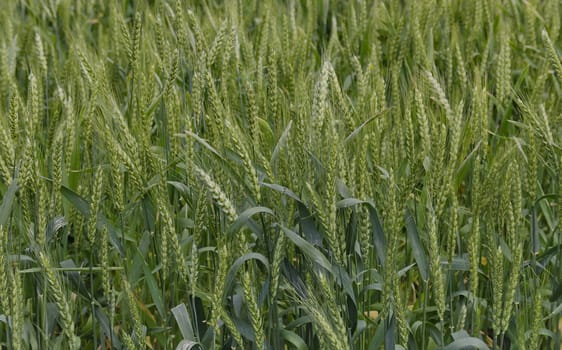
pixel 61 301
pixel 254 311
pixel 138 328
pixel 552 54
pixel 97 193
pixel 4 299
pixel 435 268
pixel 7 156
pixel 218 195
pixel 503 69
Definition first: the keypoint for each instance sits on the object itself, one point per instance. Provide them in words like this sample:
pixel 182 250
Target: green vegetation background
pixel 316 174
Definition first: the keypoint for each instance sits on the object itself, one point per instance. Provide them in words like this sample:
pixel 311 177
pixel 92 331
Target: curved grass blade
pixel 204 143
pixel 246 216
pixel 348 202
pixel 280 143
pixel 184 322
pixel 308 249
pixel 355 132
pixel 231 276
pixel 283 190
pixel 294 339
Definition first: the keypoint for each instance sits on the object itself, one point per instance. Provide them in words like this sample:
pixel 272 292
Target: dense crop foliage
pixel 280 174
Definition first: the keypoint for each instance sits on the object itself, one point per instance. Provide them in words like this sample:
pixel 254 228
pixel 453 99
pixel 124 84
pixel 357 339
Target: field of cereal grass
pixel 246 174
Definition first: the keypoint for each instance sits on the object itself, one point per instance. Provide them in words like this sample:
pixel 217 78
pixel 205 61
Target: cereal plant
pixel 280 174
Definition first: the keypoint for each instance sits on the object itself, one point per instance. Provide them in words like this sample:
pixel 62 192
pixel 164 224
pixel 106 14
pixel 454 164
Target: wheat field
pixel 280 174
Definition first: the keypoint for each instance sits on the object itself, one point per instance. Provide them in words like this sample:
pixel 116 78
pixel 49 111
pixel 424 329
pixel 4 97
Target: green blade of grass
pixel 417 248
pixel 308 249
pixel 183 321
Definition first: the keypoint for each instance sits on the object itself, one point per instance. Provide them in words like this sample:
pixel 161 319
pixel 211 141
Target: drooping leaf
pixel 294 339
pixel 204 143
pixel 355 132
pixel 283 190
pixel 308 249
pixel 246 216
pixel 231 275
pixel 182 188
pixel 348 202
pixel 183 321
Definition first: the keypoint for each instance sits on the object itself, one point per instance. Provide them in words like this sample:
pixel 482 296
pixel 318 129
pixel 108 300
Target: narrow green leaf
pixel 459 263
pixel 343 279
pixel 231 275
pixel 245 216
pixel 182 188
pixel 390 332
pixel 204 143
pixel 308 249
pixel 280 143
pixel 377 340
pixel 294 339
pixel 379 241
pixel 155 292
pixel 348 202
pixel 12 258
pixel 184 321
pixel 76 200
pixel 283 190
pixel 155 102
pixel 342 189
pixel 546 211
pixel 417 248
pixel 360 127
